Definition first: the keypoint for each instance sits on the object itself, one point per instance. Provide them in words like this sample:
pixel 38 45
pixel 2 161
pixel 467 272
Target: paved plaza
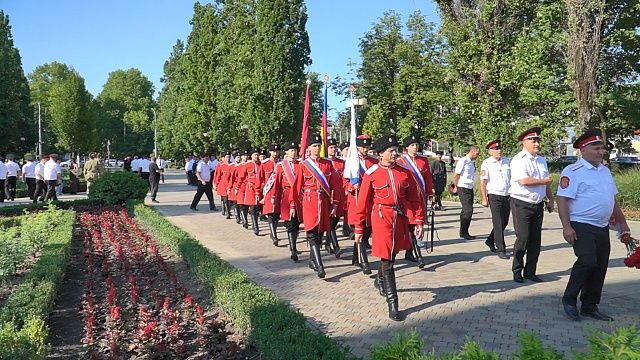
pixel 464 291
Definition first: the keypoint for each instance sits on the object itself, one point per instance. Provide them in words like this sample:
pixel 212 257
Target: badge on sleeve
pixel 564 182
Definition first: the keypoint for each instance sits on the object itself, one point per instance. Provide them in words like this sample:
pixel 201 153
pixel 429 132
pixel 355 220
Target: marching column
pixel 271 198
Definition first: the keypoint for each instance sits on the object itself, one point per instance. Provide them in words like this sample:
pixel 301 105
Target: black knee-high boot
pixel 273 223
pixel 391 292
pixel 238 216
pixel 417 251
pixel 224 207
pixel 334 243
pixel 315 257
pixel 378 283
pixel 226 201
pixel 254 221
pixel 245 216
pixel 360 258
pixel 292 236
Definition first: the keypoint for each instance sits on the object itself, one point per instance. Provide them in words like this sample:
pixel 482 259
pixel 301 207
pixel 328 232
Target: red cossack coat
pixel 222 178
pixel 271 198
pixel 341 196
pixel 239 185
pixel 422 164
pixel 367 162
pixel 252 183
pixel 316 202
pixel 231 186
pixel 282 196
pixel 389 196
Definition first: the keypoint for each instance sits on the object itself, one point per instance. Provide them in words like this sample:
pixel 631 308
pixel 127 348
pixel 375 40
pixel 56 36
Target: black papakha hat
pixel 385 142
pixel 411 139
pixel 290 145
pixel 314 139
pixel 363 141
pixel 274 147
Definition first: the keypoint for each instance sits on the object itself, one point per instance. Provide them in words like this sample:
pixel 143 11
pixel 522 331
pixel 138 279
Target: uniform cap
pixel 494 145
pixel 254 150
pixel 332 142
pixel 385 142
pixel 344 145
pixel 314 139
pixel 246 152
pixel 290 145
pixel 229 153
pixel 533 133
pixel 589 137
pixel 363 141
pixel 274 147
pixel 411 139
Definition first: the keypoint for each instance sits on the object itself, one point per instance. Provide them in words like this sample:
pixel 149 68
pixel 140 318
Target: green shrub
pixel 403 346
pixel 628 189
pixel 23 333
pixel 530 348
pixel 622 344
pixel 275 329
pixel 118 187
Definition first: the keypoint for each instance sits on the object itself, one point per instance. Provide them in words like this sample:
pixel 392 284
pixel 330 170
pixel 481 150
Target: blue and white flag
pixel 352 163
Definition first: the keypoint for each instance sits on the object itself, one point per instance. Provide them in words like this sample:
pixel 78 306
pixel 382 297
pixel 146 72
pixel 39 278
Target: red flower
pixel 189 300
pixel 200 311
pixel 149 329
pixel 115 313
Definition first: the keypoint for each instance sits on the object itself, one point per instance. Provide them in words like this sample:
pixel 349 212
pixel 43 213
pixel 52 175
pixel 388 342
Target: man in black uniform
pixel 586 203
pixel 439 173
pixel 154 178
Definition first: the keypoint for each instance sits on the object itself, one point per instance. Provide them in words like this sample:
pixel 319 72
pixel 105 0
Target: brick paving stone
pixel 464 291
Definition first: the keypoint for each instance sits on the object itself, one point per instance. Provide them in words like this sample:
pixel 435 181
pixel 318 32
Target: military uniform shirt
pixel 51 170
pixel 592 191
pixel 498 173
pixel 39 171
pixel 12 168
pixel 204 170
pixel 467 170
pixel 526 165
pixel 29 169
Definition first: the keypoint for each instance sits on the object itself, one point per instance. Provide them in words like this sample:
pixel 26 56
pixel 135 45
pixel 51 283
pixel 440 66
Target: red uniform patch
pixel 564 182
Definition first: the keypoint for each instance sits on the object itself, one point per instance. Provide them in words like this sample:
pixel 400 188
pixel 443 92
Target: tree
pixel 68 116
pixel 72 118
pixel 16 113
pixel 124 112
pixel 281 55
pixel 170 142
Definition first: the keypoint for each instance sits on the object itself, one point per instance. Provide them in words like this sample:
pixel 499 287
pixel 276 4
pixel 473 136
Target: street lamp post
pixel 39 133
pixel 155 133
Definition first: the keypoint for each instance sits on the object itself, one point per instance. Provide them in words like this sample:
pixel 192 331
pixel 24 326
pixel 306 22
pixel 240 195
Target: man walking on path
pixel 3 178
pixel 530 182
pixel 203 174
pixel 494 186
pixel 92 170
pixel 586 203
pixel 463 184
pixel 439 172
pixel 154 178
pixel 29 175
pixel 13 172
pixel 52 176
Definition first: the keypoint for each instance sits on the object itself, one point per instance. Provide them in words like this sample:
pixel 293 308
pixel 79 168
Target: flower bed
pixel 133 304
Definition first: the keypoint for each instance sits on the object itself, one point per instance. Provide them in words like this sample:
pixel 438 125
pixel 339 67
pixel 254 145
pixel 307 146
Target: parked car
pixel 631 159
pixel 569 159
pixel 65 164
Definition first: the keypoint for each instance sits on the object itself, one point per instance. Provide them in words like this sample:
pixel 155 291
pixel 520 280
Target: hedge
pixel 276 330
pixel 621 344
pixel 23 330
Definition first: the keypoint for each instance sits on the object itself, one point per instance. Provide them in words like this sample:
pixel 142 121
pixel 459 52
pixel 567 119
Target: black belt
pixel 397 208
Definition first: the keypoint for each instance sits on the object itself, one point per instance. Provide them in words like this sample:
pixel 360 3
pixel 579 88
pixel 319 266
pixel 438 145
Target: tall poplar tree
pixel 281 54
pixel 16 115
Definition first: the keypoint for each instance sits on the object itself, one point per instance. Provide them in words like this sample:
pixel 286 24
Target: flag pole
pixel 305 121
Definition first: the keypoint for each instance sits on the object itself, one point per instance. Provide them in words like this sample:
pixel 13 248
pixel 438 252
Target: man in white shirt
pixel 162 164
pixel 587 205
pixel 203 174
pixel 13 172
pixel 52 176
pixel 463 184
pixel 41 185
pixel 29 175
pixel 3 178
pixel 530 182
pixel 495 173
pixel 143 168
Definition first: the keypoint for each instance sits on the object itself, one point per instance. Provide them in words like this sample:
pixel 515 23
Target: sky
pixel 98 37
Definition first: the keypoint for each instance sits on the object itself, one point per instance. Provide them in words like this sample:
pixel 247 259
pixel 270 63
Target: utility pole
pixel 39 133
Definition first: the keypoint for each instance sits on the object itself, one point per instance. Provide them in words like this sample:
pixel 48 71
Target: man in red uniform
pixel 389 196
pixel 363 142
pixel 418 166
pixel 288 207
pixel 251 181
pixel 238 189
pixel 221 182
pixel 346 229
pixel 267 170
pixel 316 181
pixel 331 244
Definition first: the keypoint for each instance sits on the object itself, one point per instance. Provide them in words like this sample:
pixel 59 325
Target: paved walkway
pixel 464 291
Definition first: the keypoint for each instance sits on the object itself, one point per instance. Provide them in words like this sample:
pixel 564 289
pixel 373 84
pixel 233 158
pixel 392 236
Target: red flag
pixel 305 122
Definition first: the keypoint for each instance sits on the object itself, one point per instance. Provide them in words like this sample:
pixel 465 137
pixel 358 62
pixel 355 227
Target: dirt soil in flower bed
pixel 126 297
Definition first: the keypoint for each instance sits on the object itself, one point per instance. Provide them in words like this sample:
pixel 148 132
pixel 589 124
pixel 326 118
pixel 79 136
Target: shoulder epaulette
pixel 373 168
pixel 576 166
